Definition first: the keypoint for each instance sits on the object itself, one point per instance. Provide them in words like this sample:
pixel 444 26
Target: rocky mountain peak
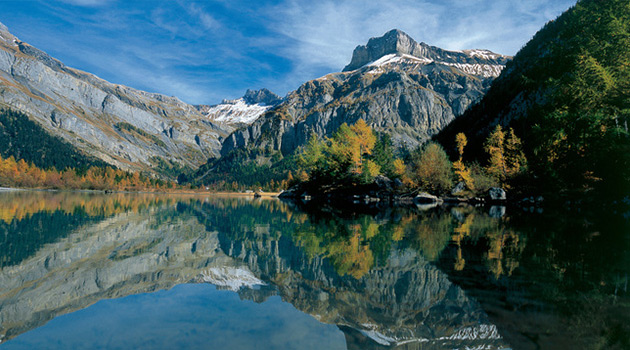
pixel 398 43
pixel 393 42
pixel 262 96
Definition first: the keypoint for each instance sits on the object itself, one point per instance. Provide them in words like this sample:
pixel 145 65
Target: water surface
pixel 121 271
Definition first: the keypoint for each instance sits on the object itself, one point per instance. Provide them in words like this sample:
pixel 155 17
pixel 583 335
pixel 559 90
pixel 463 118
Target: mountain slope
pixel 398 86
pixel 567 93
pixel 131 129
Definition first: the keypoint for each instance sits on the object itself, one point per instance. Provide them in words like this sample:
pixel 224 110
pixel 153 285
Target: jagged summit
pixel 393 42
pixel 397 43
pixel 262 96
pixel 408 89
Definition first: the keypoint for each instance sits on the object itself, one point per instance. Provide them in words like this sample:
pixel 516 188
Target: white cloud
pixel 206 19
pixel 88 3
pixel 325 32
pixel 162 45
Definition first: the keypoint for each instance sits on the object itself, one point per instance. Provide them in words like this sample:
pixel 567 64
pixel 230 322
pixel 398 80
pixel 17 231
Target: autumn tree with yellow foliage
pixel 22 174
pixel 506 156
pixel 346 158
pixel 461 171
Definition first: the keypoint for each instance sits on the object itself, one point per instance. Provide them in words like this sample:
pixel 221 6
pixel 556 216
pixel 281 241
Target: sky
pixel 205 51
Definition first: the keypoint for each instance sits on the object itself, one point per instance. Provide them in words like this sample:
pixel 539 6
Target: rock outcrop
pixel 396 85
pixel 262 96
pixel 131 129
pixel 398 42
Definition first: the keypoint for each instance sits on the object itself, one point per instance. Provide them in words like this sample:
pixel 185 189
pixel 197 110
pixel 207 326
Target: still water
pixel 121 271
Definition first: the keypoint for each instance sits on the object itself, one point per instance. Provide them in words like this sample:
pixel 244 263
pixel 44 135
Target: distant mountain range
pixel 408 89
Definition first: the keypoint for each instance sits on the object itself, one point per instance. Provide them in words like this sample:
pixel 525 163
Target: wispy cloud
pixel 325 32
pixel 206 19
pixel 203 51
pixel 88 3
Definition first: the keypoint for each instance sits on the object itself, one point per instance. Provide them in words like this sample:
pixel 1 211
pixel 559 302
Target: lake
pixel 143 271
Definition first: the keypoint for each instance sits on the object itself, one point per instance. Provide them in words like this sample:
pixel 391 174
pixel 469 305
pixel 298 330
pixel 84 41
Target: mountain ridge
pixel 398 42
pixel 428 95
pixel 407 97
pixel 84 110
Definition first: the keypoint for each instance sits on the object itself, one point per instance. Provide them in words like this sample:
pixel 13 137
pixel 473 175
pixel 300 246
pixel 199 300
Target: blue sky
pixel 205 51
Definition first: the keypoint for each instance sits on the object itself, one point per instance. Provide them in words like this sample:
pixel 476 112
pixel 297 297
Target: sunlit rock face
pixel 410 90
pixel 123 126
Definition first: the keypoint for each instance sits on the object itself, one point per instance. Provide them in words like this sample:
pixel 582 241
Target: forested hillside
pixel 24 139
pixel 567 95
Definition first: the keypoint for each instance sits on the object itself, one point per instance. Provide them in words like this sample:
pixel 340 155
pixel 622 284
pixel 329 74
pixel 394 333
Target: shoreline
pixel 192 193
pixel 10 189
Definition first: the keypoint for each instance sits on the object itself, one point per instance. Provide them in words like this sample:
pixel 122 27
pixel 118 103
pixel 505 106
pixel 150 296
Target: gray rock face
pixel 497 194
pixel 86 110
pixel 262 96
pixel 458 189
pixel 411 93
pixel 426 198
pixel 398 42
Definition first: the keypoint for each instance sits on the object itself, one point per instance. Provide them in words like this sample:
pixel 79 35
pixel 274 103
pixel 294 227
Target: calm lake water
pixel 89 271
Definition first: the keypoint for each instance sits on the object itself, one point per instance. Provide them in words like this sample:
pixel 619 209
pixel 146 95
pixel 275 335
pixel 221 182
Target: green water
pixel 87 271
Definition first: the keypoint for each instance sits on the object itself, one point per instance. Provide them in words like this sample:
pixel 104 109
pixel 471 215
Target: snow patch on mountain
pixel 232 278
pixel 475 333
pixel 483 331
pixel 485 70
pixel 483 54
pixel 235 112
pixel 398 58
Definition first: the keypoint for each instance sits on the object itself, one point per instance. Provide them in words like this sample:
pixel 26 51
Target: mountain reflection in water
pixel 437 279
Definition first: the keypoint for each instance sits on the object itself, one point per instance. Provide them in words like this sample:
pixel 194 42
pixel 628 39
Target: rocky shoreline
pixel 386 192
